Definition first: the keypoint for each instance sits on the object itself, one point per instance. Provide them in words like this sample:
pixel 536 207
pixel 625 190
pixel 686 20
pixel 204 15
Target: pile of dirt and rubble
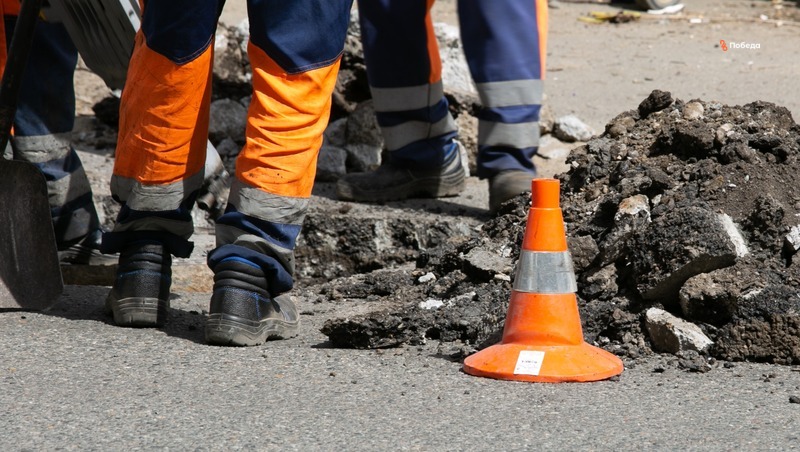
pixel 685 219
pixel 683 224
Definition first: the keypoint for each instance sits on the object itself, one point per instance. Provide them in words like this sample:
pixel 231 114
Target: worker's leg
pixel 42 135
pixel 404 71
pixel 295 49
pixel 504 43
pixel 160 154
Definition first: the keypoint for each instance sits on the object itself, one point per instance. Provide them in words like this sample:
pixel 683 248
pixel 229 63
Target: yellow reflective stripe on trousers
pixel 545 272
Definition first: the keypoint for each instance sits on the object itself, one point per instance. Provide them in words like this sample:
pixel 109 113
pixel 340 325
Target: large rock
pixel 471 317
pixel 362 126
pixel 331 163
pixel 675 247
pixel 656 101
pixel 792 240
pixel 336 133
pixel 363 157
pixel 363 139
pixel 710 297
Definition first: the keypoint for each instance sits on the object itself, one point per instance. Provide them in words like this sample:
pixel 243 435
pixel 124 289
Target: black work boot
pixel 243 312
pixel 506 185
pixel 391 183
pixel 140 295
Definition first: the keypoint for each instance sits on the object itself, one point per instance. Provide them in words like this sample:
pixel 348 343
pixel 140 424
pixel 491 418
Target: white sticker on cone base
pixel 529 362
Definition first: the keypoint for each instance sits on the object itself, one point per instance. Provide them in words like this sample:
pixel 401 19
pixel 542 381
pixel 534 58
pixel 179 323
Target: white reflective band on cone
pixel 545 272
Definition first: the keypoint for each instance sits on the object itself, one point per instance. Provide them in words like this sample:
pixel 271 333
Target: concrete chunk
pixel 570 128
pixel 483 263
pixel 672 334
pixel 792 240
pixel 734 235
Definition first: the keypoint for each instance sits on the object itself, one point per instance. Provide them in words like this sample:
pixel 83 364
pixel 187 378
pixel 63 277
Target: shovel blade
pixel 30 276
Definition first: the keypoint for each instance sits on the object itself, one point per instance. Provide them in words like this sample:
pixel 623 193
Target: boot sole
pixel 437 187
pixel 224 329
pixel 138 311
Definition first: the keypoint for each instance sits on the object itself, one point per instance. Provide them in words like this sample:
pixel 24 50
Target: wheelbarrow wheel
pixel 656 4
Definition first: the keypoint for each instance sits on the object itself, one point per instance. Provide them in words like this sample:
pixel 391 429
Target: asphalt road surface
pixel 71 380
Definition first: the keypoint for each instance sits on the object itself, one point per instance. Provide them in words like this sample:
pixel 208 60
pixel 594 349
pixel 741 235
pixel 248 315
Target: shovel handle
pixel 18 53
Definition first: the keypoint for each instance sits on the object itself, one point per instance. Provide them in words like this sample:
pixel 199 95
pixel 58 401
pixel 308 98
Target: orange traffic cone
pixel 543 338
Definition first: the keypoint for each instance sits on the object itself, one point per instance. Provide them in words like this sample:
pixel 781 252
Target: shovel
pixel 30 276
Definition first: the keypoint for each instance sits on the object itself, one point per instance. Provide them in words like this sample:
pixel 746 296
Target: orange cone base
pixel 545 364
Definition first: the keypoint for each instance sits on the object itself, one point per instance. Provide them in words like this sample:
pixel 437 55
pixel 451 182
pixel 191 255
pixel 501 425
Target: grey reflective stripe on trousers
pixel 386 100
pixel 265 206
pixel 511 93
pixel 396 137
pixel 411 98
pixel 519 136
pixel 154 198
pixel 545 272
pixel 43 149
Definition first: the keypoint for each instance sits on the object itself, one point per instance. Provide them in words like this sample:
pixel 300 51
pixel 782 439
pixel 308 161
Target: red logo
pixel 723 45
